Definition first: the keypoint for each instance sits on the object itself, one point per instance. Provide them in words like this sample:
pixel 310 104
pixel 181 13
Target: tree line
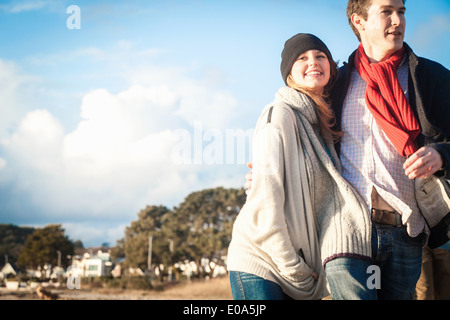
pixel 198 228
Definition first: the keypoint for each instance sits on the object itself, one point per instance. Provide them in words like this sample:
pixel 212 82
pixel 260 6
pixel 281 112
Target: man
pixel 395 111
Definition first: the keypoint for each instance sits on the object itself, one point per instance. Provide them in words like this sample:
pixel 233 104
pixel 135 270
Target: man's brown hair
pixel 361 8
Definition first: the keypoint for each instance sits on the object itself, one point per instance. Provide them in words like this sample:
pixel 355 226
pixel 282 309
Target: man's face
pixel 384 30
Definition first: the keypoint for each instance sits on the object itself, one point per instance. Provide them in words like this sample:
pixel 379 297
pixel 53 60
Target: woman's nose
pixel 313 61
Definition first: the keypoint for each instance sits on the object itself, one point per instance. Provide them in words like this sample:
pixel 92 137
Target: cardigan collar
pixel 298 101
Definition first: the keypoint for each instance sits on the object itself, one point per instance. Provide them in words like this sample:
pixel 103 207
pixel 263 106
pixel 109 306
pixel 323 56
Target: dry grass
pixel 215 289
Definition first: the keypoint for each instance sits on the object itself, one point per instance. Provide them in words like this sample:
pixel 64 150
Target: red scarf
pixel 387 102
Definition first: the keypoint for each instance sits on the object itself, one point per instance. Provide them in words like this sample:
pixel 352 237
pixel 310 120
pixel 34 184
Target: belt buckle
pixel 381 216
pixel 398 220
pixel 377 215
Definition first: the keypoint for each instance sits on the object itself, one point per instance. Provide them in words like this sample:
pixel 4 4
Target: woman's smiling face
pixel 312 70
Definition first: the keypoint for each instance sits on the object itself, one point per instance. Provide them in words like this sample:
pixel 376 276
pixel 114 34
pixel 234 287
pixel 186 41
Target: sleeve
pixel 444 122
pixel 268 190
pixel 444 150
pixel 435 83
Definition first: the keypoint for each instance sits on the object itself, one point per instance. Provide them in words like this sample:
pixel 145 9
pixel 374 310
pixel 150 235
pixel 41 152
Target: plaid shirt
pixel 370 160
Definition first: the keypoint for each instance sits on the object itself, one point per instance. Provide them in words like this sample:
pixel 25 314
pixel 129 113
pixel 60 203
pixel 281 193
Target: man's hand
pixel 423 163
pixel 248 178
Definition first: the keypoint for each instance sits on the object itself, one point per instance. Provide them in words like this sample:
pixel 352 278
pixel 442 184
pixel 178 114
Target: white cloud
pixel 91 232
pixel 119 157
pixel 197 100
pixel 17 7
pixel 38 138
pixel 215 109
pixel 15 91
pixel 2 163
pixel 67 57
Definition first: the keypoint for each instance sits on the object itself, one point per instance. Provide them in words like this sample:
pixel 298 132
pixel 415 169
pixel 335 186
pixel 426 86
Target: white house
pixel 97 265
pixel 8 269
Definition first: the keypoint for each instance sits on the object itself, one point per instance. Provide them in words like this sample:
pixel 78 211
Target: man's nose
pixel 396 19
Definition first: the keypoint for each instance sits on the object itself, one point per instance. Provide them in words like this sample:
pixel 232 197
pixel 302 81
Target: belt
pixel 391 218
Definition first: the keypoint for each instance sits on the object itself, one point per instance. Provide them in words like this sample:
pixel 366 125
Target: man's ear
pixel 358 21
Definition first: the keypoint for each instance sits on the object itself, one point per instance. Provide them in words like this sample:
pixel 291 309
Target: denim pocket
pixel 247 286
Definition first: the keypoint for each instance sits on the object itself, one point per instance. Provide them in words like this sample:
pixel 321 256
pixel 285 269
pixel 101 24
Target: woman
pixel 300 212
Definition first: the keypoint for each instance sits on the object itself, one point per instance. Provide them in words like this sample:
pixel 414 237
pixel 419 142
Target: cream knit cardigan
pixel 298 200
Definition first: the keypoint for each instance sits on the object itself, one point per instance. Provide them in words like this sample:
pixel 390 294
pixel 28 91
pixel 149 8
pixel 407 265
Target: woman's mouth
pixel 314 73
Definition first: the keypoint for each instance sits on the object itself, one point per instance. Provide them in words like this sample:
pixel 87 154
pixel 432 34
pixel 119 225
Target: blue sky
pixel 92 120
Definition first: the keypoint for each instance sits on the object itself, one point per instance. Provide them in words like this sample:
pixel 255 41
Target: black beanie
pixel 297 45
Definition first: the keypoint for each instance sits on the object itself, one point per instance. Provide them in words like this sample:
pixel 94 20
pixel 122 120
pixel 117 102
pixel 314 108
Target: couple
pixel 313 210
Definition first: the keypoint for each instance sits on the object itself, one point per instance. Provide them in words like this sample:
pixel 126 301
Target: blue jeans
pixel 246 286
pixel 398 261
